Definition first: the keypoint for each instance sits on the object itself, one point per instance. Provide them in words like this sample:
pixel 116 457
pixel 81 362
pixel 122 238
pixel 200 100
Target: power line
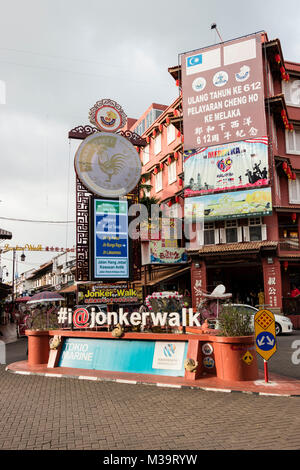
pixel 39 221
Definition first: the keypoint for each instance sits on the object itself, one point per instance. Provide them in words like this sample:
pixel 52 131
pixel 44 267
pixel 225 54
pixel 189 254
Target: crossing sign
pixel 265 335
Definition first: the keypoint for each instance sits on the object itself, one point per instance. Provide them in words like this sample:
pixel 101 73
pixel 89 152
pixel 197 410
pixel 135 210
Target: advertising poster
pixel 236 165
pixel 223 93
pixel 251 203
pixel 111 243
pixel 162 253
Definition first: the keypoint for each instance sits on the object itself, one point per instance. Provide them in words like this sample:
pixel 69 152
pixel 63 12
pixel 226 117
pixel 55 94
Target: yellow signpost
pixel 265 336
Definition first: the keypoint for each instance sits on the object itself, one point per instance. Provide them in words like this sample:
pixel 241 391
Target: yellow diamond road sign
pixel 248 358
pixel 265 335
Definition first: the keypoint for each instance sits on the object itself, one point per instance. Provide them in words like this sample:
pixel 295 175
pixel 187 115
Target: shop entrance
pixel 244 282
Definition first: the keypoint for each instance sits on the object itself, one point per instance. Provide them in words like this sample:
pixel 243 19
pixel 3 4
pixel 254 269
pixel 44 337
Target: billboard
pixel 223 93
pixel 226 167
pixel 162 253
pixel 110 239
pixel 236 204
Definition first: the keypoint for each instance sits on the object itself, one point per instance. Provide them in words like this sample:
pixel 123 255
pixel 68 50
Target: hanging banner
pixel 252 203
pixel 162 253
pixel 237 165
pixel 223 93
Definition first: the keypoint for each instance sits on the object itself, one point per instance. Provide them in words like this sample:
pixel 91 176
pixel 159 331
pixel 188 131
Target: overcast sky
pixel 58 57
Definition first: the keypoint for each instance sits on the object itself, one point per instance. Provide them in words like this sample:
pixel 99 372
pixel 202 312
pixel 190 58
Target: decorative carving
pixel 82 132
pixel 82 231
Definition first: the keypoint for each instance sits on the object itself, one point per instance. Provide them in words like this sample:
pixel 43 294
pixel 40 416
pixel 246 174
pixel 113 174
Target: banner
pixel 252 203
pixel 161 253
pixel 237 165
pixel 223 93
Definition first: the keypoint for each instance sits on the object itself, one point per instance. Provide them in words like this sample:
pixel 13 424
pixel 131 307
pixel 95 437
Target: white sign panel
pixel 168 355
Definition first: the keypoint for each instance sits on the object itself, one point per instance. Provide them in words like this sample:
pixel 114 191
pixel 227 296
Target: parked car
pixel 282 324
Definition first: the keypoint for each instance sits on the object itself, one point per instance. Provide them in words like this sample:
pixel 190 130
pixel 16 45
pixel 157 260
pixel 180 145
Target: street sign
pixel 265 336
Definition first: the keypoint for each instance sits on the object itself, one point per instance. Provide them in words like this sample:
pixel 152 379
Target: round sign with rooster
pixel 108 164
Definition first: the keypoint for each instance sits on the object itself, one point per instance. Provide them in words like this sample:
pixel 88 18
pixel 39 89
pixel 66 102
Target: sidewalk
pixel 277 386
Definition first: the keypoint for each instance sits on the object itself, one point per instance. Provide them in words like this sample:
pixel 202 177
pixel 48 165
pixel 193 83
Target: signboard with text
pixel 110 239
pixel 223 93
pixel 237 165
pixel 108 294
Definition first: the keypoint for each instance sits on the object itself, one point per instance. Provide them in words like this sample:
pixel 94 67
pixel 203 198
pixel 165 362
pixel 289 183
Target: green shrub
pixel 234 322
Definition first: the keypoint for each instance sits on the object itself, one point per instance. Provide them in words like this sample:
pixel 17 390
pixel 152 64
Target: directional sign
pixel 265 336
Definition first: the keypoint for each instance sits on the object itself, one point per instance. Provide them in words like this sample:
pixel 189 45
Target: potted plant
pixel 234 346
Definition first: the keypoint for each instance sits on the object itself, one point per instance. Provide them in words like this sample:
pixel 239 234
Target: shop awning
pixel 69 290
pixel 176 273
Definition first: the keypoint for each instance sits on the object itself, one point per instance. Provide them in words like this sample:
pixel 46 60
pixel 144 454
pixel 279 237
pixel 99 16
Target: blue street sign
pixel 265 340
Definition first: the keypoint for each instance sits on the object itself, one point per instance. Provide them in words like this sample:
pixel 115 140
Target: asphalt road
pixel 280 363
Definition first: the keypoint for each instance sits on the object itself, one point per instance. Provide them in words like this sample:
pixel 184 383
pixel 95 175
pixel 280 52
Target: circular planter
pixel 38 347
pixel 235 358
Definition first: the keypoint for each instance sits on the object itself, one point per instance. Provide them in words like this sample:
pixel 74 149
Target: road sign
pixel 265 336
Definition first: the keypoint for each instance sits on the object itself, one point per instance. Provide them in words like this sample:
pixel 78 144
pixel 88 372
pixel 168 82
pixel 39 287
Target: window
pixel 158 181
pixel 294 190
pixel 231 233
pixel 171 134
pixel 157 144
pixel 291 90
pixel 255 230
pixel 147 191
pixel 146 154
pixel 140 129
pixel 172 172
pixel 292 141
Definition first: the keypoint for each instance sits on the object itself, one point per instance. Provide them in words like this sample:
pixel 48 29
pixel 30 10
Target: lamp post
pixel 22 257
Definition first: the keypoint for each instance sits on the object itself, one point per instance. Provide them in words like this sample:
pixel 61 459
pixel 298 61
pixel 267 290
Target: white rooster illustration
pixel 111 165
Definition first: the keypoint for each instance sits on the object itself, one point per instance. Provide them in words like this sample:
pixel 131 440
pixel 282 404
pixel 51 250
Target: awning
pixel 68 290
pixel 169 276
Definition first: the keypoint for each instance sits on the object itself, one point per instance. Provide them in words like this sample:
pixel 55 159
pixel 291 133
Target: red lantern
pixel 294 177
pixel 294 217
pixel 277 58
pixel 182 138
pixel 285 265
pixel 170 203
pixel 283 112
pixel 143 180
pixel 155 171
pixel 291 127
pixel 169 160
pixel 177 82
pixel 284 166
pixel 161 165
pixel 178 134
pixel 282 70
pixel 160 127
pixel 147 139
pixel 167 120
pixel 154 133
pixel 177 199
pixel 180 181
pixel 176 156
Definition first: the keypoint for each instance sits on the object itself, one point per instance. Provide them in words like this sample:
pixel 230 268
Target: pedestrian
pixel 295 291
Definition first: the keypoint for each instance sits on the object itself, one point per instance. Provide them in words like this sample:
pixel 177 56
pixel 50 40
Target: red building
pixel 248 255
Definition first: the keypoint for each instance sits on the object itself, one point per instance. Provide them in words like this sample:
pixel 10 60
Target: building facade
pixel 257 258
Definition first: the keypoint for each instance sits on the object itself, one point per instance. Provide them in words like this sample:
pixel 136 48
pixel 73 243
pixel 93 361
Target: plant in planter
pixel 234 322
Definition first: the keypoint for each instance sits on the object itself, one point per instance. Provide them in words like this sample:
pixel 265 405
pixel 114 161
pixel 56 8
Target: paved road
pixel 51 413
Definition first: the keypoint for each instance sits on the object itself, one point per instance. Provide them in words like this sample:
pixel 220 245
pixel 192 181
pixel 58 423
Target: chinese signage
pixel 252 203
pixel 29 247
pixel 223 95
pixel 232 166
pixel 108 294
pixel 272 283
pixel 166 251
pixel 111 243
pixel 108 164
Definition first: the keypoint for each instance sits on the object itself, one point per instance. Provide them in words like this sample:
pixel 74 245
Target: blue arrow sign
pixel 265 341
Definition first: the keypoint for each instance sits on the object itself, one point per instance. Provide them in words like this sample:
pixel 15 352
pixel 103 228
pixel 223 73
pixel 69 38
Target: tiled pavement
pixel 56 413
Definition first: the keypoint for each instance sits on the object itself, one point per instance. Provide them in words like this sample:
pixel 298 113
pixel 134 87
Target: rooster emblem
pixel 111 165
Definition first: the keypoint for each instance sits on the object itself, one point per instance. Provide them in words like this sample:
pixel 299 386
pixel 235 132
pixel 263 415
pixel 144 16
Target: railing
pixel 289 244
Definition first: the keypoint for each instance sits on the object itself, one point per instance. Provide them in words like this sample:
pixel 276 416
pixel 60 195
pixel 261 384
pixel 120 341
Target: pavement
pixel 50 413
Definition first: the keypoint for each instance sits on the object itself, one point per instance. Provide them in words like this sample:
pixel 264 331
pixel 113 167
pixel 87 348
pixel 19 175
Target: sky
pixel 59 57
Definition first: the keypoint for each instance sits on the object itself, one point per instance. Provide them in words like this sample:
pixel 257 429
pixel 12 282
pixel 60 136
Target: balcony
pixel 289 244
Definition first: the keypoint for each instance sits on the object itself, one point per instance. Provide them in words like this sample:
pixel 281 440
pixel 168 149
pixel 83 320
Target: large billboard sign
pixel 223 93
pixel 226 167
pixel 110 239
pixel 231 205
pixel 90 294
